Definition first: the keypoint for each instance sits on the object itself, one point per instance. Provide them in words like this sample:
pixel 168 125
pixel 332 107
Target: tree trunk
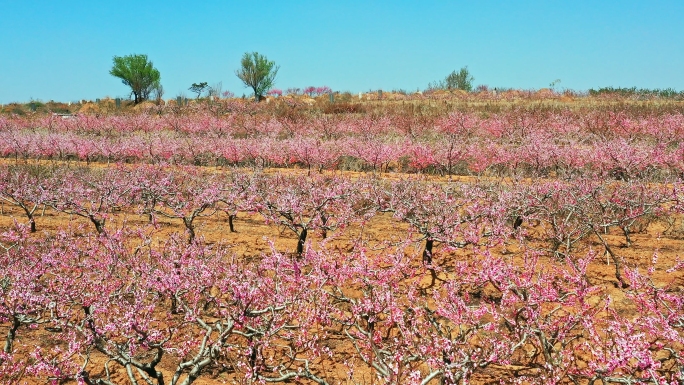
pixel 427 252
pixel 29 214
pixel 616 261
pixel 174 304
pixel 99 224
pixel 427 260
pixel 517 223
pixel 626 232
pixel 230 223
pixel 11 334
pixel 301 241
pixel 324 222
pixel 191 229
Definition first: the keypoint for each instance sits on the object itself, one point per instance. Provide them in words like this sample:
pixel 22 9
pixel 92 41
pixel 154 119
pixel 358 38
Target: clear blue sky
pixel 62 50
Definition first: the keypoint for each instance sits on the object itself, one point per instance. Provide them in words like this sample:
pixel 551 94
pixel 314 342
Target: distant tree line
pixel 667 93
pixel 258 73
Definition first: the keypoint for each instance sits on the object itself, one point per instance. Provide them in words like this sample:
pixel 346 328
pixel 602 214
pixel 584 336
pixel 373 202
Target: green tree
pixel 258 73
pixel 198 88
pixel 461 80
pixel 137 72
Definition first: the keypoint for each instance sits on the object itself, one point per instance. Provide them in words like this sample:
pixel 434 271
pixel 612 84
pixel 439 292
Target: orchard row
pixel 453 213
pixel 131 306
pixel 234 119
pixel 530 143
